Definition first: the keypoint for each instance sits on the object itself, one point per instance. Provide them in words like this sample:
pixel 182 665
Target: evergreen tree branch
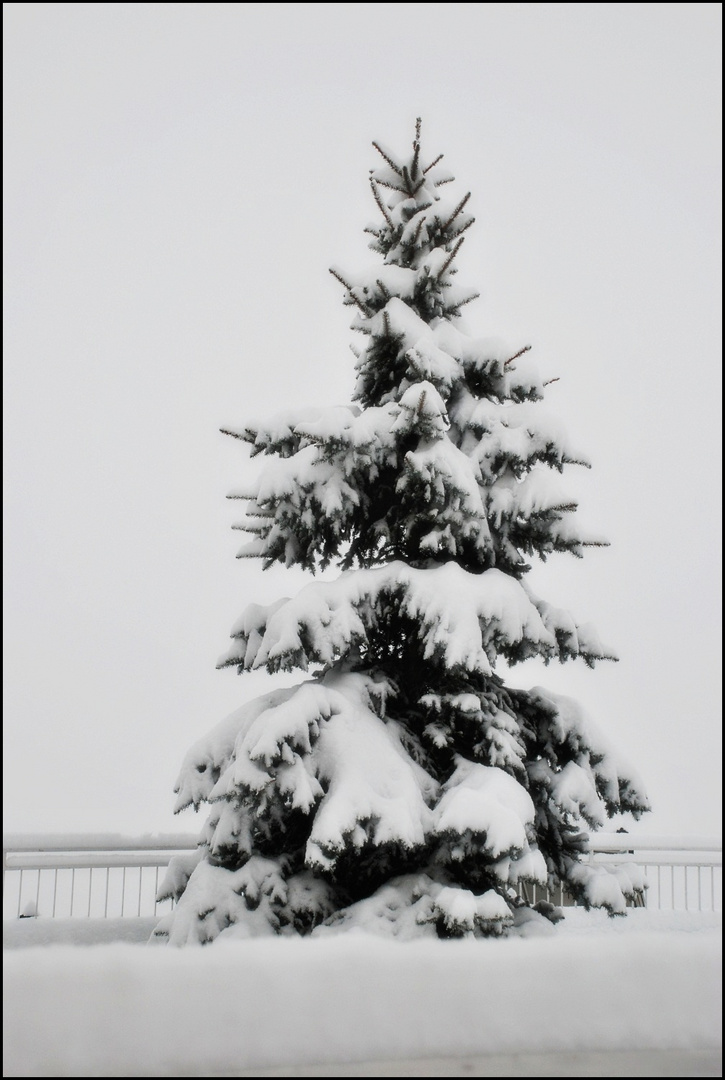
pixel 387 159
pixel 455 308
pixel 429 167
pixel 408 182
pixel 363 307
pixel 416 234
pixel 463 228
pixel 416 149
pixel 393 187
pixel 340 278
pixel 516 355
pixel 550 381
pixel 456 212
pixel 450 259
pixel 381 205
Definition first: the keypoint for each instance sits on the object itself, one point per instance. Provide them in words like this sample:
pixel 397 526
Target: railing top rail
pixel 651 858
pixel 86 860
pixel 99 842
pixel 624 842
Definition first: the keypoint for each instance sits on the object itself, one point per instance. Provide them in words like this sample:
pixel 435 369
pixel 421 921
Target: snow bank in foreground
pixel 24 933
pixel 124 1010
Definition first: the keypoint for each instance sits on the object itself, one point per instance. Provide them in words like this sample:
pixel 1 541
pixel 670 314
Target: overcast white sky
pixel 178 179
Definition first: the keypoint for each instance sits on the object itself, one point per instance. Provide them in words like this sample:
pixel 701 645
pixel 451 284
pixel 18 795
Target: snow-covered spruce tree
pixel 403 786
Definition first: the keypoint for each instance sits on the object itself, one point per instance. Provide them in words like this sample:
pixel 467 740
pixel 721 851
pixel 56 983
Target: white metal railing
pixel 87 876
pixel 107 875
pixel 682 874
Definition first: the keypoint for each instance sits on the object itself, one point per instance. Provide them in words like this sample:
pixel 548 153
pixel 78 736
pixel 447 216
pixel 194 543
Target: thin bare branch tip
pixel 516 355
pixel 416 150
pixel 457 211
pixel 450 259
pixel 387 159
pixel 435 162
pixel 408 182
pixel 463 228
pixel 340 278
pixel 379 201
pixel 350 290
pixel 392 186
pixel 455 308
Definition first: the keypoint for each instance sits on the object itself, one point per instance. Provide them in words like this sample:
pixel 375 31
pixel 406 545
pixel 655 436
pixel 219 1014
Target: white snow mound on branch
pixel 574 791
pixel 571 724
pixel 462 910
pixel 463 618
pixel 209 756
pixel 487 801
pixel 323 744
pixel 376 792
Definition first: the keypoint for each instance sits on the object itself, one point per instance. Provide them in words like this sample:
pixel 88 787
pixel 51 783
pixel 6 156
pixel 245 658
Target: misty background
pixel 179 177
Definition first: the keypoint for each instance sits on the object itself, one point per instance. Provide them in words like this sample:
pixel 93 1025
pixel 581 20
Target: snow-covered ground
pixel 596 996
